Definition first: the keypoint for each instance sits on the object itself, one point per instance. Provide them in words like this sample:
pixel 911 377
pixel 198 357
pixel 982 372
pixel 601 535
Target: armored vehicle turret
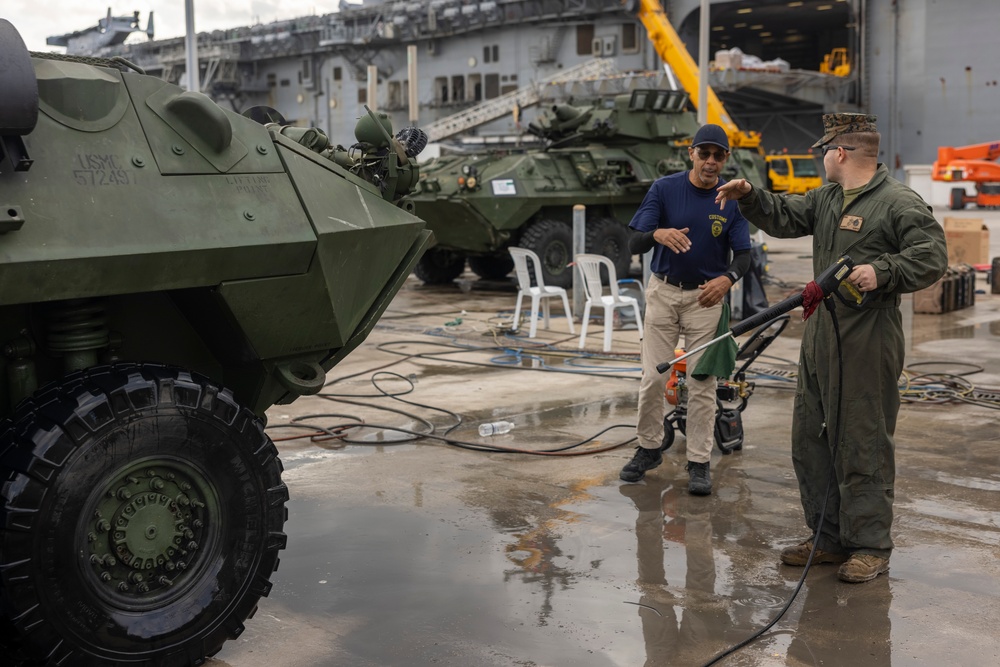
pixel 603 154
pixel 168 271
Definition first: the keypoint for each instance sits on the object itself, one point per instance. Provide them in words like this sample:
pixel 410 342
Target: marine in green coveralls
pixel 897 247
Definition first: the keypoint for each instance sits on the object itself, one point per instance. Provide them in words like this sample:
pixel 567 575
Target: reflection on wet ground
pixel 410 557
pixel 423 554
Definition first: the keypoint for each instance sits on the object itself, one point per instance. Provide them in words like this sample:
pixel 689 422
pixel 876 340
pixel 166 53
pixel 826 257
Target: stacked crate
pixel 954 291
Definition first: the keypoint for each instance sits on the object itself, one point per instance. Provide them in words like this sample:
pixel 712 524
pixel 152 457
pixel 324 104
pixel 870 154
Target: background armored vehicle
pixel 168 270
pixel 603 154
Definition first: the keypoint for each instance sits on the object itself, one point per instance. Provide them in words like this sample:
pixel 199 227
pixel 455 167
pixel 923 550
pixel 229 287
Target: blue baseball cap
pixel 711 134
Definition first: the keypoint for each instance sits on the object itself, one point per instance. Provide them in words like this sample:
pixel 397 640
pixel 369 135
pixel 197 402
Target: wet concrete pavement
pixel 425 554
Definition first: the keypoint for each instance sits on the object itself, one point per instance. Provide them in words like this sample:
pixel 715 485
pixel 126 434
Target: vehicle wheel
pixel 492 267
pixel 957 199
pixel 439 266
pixel 608 237
pixel 553 243
pixel 668 433
pixel 142 517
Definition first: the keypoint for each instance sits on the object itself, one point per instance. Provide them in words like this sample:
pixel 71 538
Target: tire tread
pixel 32 451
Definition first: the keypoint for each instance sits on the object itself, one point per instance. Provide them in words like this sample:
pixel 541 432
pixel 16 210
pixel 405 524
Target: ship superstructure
pixel 316 69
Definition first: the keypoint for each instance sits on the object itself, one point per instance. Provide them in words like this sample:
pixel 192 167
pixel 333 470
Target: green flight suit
pixel 890 227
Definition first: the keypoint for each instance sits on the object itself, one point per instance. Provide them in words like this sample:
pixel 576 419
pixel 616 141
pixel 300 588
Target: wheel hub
pixel 147 530
pixel 556 257
pixel 148 527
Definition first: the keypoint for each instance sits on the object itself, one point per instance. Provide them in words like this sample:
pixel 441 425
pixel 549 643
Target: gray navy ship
pixel 925 68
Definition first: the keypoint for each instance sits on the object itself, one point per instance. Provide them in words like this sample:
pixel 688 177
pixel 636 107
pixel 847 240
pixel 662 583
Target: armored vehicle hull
pixel 168 271
pixel 604 155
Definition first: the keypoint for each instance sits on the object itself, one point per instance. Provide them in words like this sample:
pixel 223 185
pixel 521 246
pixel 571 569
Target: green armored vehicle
pixel 168 271
pixel 603 155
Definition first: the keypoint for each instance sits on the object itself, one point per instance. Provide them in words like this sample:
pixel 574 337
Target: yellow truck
pixel 792 174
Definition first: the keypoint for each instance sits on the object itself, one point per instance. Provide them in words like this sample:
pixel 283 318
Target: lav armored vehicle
pixel 602 154
pixel 168 271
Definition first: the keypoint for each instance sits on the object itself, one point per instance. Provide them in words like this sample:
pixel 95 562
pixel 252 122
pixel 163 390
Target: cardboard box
pixel 929 300
pixel 968 241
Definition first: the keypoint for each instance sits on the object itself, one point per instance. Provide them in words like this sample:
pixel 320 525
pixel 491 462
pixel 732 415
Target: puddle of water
pixel 969 482
pixel 420 590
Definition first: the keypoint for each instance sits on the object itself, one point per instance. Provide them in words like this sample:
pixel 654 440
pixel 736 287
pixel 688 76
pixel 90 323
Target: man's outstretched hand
pixel 732 191
pixel 675 239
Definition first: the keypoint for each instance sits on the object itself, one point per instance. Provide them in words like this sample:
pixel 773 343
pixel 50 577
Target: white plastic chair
pixel 593 286
pixel 539 293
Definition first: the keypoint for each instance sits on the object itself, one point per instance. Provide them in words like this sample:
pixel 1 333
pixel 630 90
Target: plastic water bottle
pixel 495 428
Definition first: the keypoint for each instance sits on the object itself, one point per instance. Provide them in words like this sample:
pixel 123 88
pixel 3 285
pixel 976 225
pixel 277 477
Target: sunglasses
pixel 704 154
pixel 829 147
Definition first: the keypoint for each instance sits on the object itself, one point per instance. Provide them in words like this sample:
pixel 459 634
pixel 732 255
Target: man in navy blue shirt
pixel 692 273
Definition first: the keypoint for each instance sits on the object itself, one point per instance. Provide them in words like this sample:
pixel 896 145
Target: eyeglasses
pixel 704 154
pixel 829 147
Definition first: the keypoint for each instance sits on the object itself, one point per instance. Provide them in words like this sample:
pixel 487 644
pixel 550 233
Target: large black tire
pixel 492 267
pixel 957 199
pixel 553 243
pixel 439 266
pixel 608 237
pixel 142 518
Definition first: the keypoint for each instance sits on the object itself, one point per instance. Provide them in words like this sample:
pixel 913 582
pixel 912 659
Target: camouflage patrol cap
pixel 836 124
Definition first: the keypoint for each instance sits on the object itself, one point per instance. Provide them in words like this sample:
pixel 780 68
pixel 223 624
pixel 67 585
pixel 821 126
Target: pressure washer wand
pixel 828 282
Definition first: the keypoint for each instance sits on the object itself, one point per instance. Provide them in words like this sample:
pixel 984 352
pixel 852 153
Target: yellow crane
pixel 672 51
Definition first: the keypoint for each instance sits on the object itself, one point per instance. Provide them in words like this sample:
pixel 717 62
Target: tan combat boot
pixel 862 567
pixel 799 554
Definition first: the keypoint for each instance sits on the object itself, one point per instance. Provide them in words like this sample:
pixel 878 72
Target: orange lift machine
pixel 977 163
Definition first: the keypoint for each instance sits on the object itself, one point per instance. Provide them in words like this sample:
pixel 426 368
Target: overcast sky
pixel 38 19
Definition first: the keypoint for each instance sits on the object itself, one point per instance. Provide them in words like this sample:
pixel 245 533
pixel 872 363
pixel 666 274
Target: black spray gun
pixel 826 283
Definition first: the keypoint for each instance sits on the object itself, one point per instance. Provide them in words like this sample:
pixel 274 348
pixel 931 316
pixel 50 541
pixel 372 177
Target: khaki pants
pixel 670 313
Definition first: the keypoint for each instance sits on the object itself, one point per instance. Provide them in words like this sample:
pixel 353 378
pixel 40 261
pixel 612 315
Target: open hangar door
pixel 784 108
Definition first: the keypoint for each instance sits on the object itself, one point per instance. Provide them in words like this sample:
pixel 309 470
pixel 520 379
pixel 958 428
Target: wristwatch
pixel 732 276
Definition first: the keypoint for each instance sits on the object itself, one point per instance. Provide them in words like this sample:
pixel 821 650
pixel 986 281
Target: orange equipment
pixel 675 385
pixel 731 396
pixel 975 163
